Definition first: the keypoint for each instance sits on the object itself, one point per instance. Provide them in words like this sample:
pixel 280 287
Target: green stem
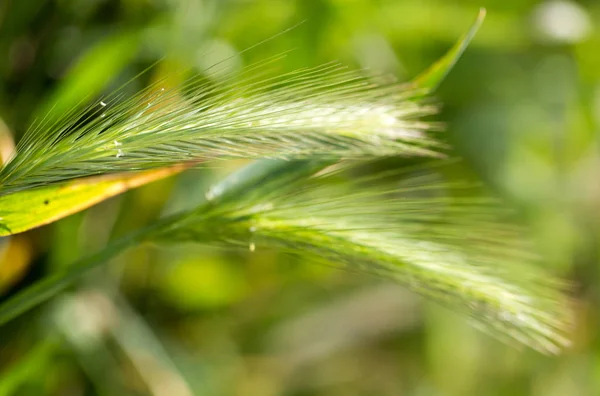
pixel 52 285
pixel 246 180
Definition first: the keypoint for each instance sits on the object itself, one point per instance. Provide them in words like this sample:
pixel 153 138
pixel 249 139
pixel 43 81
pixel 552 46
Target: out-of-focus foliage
pixel 522 107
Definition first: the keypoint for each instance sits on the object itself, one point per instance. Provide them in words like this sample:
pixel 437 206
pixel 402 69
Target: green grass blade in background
pixel 431 78
pixel 54 284
pixel 29 367
pixel 27 209
pixel 90 75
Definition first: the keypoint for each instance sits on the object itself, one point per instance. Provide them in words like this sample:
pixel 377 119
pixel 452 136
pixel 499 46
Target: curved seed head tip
pixel 440 239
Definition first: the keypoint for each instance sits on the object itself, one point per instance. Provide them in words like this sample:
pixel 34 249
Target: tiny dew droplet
pixel 252 246
pixel 209 195
pixel 102 104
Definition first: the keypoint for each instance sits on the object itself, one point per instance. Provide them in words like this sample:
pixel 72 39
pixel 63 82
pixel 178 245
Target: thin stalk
pixel 54 284
pixel 244 181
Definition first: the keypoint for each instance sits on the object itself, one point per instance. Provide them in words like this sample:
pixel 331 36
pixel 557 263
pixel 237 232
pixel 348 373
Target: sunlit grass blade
pixel 27 209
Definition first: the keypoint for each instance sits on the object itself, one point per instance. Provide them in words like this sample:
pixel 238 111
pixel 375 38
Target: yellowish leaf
pixel 27 209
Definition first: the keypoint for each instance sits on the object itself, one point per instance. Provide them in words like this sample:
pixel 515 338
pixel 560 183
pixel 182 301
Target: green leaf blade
pixel 431 78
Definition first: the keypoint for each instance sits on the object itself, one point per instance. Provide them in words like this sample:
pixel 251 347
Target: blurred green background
pixel 522 107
